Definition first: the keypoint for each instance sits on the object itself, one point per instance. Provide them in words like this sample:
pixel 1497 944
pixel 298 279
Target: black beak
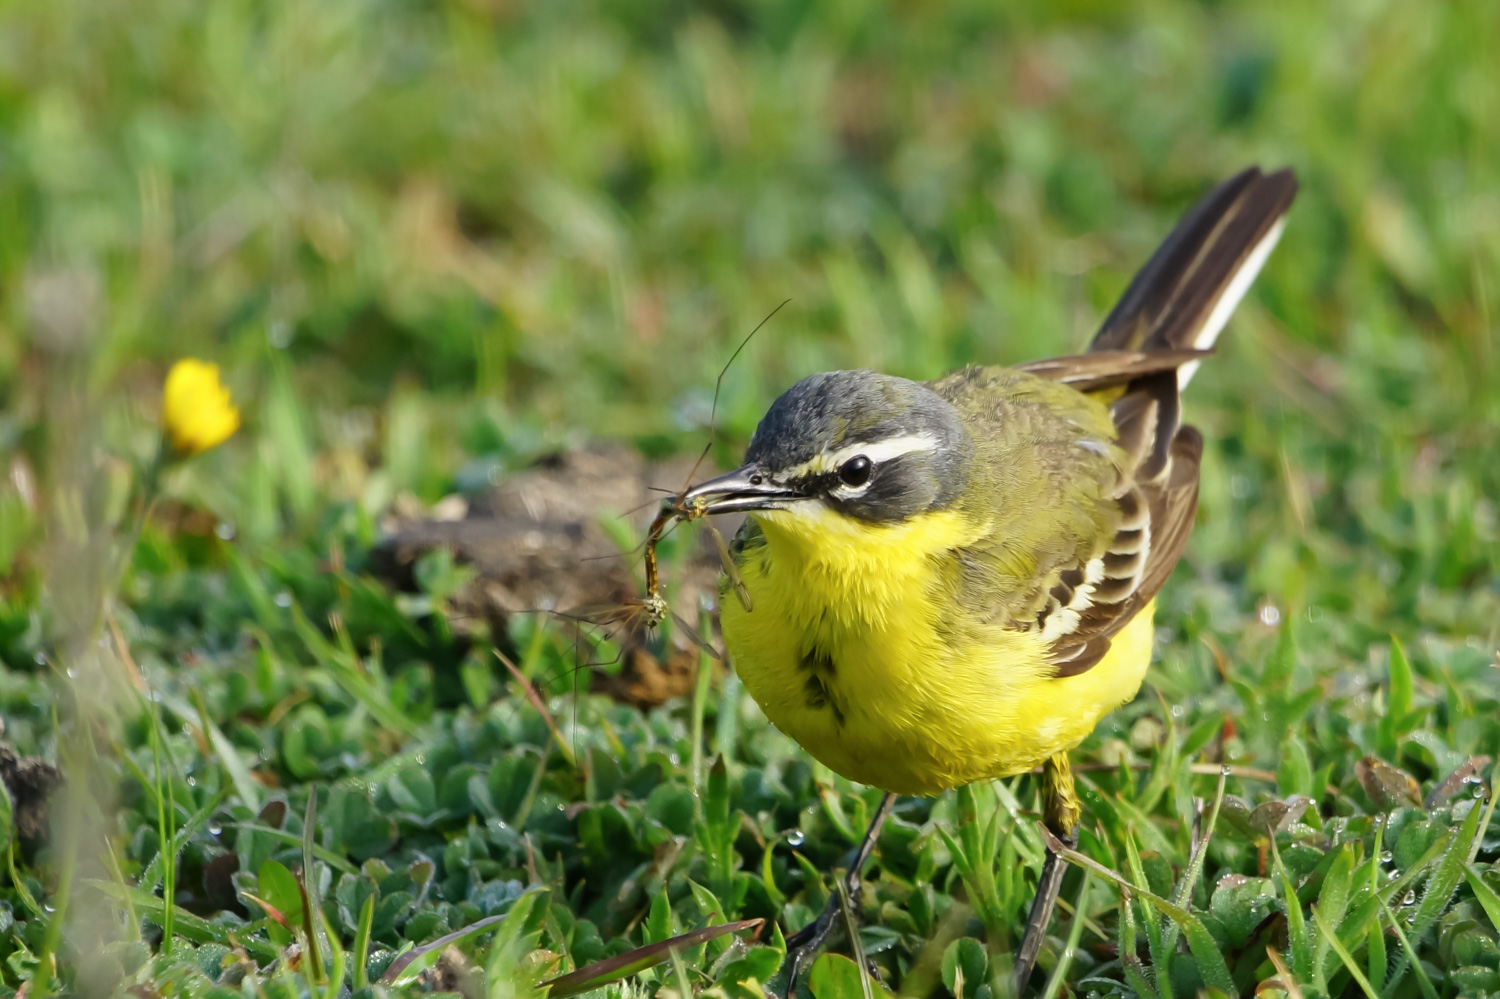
pixel 747 488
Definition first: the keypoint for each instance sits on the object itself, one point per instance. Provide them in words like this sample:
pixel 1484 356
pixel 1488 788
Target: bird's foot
pixel 803 946
pixel 1042 905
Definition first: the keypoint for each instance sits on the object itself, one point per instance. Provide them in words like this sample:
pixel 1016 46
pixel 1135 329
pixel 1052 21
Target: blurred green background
pixel 456 236
pixel 430 242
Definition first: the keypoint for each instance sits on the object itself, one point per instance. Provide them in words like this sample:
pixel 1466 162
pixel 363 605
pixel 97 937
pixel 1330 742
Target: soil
pixel 538 544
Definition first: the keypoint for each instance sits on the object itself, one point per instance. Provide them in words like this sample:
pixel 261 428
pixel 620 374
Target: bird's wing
pixel 1145 351
pixel 1157 497
pixel 1104 369
pixel 1094 501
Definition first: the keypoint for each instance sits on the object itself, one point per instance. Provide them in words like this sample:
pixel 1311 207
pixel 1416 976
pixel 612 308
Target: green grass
pixel 431 243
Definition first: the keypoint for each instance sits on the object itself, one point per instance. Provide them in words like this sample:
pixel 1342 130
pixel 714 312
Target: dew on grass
pixel 796 838
pixel 1410 897
pixel 283 599
pixel 224 530
pixel 1226 770
pixel 1270 615
pixel 215 829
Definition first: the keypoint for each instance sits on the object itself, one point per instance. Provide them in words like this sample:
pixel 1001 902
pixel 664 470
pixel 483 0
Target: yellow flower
pixel 196 410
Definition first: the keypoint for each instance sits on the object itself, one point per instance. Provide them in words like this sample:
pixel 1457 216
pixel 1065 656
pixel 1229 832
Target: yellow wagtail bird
pixel 953 580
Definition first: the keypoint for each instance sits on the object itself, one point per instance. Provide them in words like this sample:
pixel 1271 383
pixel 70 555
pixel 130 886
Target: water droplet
pixel 796 838
pixel 224 530
pixel 283 599
pixel 421 758
pixel 1270 615
pixel 40 658
pixel 192 781
pixel 214 829
pixel 1410 897
pixel 1226 770
pixel 280 334
pixel 1386 856
pixel 72 673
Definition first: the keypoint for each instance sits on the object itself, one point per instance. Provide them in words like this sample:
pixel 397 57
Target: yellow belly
pixel 842 654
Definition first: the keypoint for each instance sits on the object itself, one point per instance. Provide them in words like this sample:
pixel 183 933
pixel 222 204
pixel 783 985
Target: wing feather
pixel 1146 350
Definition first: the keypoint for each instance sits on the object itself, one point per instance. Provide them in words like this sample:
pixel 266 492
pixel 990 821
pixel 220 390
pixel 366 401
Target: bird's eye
pixel 855 472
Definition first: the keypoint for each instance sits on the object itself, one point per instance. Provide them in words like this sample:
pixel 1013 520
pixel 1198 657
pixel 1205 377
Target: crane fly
pixel 675 510
pixel 652 609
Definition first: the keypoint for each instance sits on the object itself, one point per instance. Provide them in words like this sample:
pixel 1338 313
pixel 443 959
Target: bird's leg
pixel 1061 812
pixel 803 945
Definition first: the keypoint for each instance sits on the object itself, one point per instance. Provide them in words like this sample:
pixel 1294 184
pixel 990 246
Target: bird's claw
pixel 804 945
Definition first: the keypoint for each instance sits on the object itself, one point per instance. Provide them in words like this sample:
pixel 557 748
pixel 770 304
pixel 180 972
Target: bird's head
pixel 871 447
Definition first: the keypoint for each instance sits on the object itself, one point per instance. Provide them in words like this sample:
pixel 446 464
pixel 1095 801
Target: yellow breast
pixel 849 651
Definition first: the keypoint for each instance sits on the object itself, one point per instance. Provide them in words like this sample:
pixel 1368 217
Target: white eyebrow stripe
pixel 891 447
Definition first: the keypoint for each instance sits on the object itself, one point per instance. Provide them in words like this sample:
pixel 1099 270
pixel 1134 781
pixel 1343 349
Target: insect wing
pixel 731 570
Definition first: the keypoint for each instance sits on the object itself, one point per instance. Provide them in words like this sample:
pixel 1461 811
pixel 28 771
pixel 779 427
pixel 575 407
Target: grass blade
pixel 151 877
pixel 166 815
pixel 1441 885
pixel 1075 934
pixel 324 854
pixel 1423 981
pixel 409 963
pixel 362 943
pixel 1296 922
pixel 189 927
pixel 633 962
pixel 309 886
pixel 1488 898
pixel 1333 902
pixel 1343 954
pixel 229 757
pixel 1200 942
pixel 1489 813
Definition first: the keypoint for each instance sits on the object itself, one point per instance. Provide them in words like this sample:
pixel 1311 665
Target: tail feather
pixel 1184 295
